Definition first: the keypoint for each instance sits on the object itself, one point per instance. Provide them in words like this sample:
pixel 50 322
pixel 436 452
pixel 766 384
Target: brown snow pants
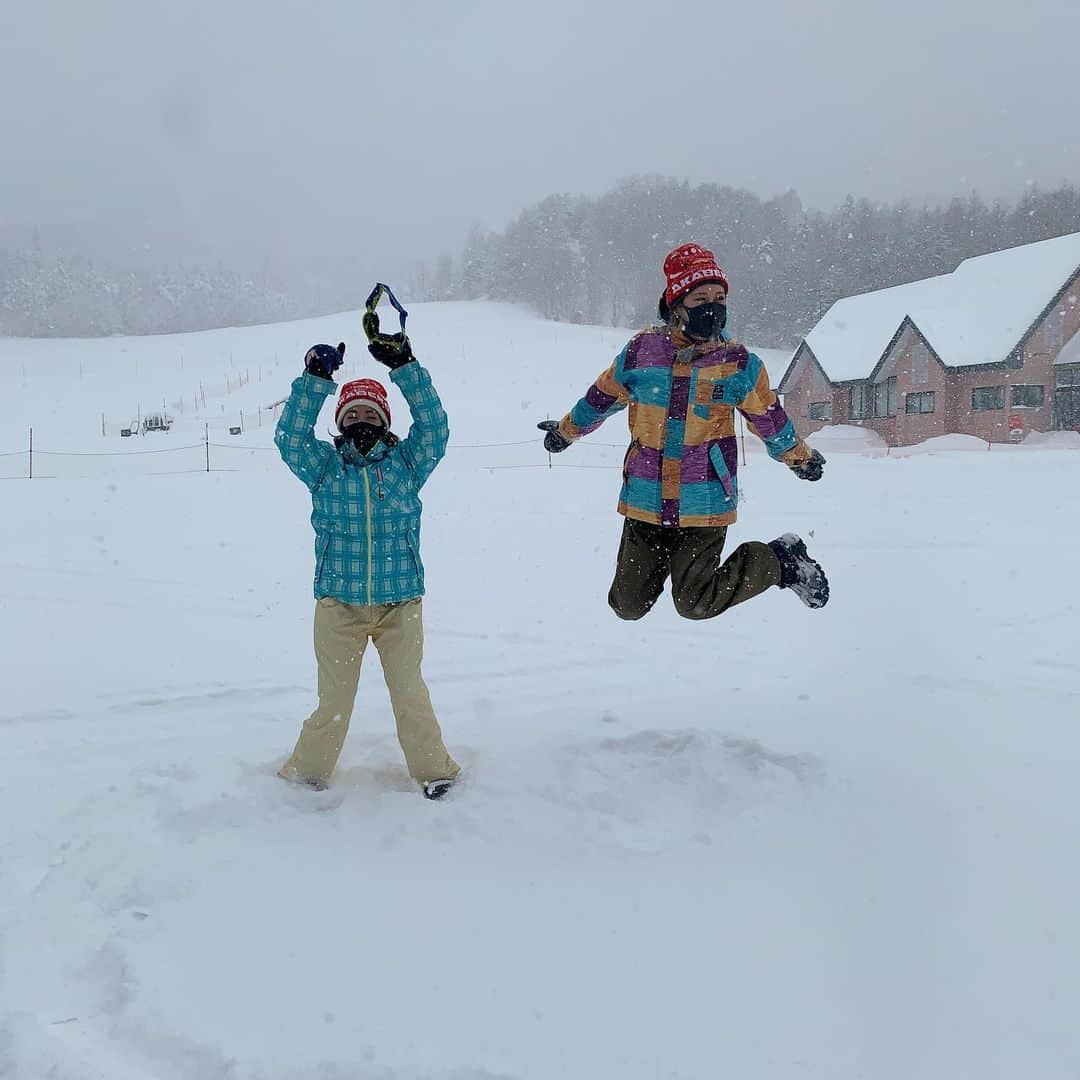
pixel 342 632
pixel 701 586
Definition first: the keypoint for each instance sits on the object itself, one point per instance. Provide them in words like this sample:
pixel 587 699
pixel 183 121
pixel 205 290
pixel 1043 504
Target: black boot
pixel 799 573
pixel 436 789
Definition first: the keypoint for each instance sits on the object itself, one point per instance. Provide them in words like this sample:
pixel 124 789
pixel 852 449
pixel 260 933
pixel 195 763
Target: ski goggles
pixel 370 320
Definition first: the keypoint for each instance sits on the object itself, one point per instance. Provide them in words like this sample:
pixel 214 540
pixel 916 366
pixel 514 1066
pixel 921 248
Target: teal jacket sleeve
pixel 425 445
pixel 294 436
pixel 766 416
pixel 604 398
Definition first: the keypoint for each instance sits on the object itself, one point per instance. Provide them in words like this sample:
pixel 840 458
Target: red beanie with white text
pixel 687 267
pixel 363 392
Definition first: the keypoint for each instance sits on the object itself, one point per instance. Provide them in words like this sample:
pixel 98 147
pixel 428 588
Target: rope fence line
pixel 240 446
pixel 273 449
pixel 209 466
pixel 114 453
pixel 553 465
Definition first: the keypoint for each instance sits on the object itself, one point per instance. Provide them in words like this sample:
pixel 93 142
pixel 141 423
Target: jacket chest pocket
pixel 396 499
pixel 392 490
pixel 710 391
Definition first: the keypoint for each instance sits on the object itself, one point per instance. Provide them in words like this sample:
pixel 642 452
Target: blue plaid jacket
pixel 365 510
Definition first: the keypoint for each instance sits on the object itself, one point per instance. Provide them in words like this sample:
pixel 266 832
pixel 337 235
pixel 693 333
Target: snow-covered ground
pixel 780 844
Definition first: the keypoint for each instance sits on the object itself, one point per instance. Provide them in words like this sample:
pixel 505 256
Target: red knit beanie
pixel 363 392
pixel 687 267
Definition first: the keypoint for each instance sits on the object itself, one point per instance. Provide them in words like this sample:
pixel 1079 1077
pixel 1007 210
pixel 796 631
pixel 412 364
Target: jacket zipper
pixel 367 509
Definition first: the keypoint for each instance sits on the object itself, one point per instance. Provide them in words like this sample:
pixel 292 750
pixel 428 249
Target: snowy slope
pixel 778 844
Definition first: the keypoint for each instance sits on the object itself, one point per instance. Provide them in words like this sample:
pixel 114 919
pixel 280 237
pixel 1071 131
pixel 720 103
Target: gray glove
pixel 554 441
pixel 810 469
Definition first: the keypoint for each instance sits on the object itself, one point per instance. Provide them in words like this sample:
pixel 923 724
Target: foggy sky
pixel 284 130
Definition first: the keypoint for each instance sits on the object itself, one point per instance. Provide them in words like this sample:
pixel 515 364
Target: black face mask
pixel 704 322
pixel 363 436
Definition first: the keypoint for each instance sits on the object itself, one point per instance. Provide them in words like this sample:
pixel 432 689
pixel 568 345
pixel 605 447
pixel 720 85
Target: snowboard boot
pixel 799 573
pixel 289 773
pixel 436 789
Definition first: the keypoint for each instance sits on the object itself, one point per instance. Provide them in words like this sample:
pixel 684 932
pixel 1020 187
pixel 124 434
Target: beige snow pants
pixel 342 632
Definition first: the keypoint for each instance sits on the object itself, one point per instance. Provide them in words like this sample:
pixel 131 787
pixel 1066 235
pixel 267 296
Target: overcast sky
pixel 281 128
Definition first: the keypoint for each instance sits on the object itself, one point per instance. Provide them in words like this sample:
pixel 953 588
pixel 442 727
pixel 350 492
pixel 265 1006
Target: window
pixel 1067 376
pixel 1028 397
pixel 858 402
pixel 988 397
pixel 821 410
pixel 885 397
pixel 920 403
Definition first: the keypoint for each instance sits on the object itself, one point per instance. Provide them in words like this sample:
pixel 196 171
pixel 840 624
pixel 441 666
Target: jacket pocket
pixel 709 400
pixel 631 452
pixel 321 547
pixel 723 473
pixel 711 395
pixel 704 390
pixel 413 543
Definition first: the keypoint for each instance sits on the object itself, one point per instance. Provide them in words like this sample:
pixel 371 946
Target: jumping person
pixel 683 381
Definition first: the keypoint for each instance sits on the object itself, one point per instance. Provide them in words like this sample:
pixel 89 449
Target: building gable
pixel 790 371
pixel 804 367
pixel 1054 310
pixel 907 335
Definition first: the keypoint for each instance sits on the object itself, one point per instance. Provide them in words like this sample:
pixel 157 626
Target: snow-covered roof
pixel 975 315
pixel 1071 353
pixel 775 361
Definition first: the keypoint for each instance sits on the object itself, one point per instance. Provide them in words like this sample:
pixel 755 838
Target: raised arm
pixel 425 445
pixel 294 436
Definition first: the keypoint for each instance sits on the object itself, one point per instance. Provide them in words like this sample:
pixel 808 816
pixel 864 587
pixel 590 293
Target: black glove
pixel 554 441
pixel 324 360
pixel 810 469
pixel 393 350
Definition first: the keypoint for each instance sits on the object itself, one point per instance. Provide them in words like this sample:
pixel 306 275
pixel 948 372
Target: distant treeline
pixel 570 258
pixel 68 296
pixel 599 260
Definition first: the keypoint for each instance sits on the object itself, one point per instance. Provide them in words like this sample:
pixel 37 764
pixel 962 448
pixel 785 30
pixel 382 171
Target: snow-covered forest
pixel 597 260
pixel 72 296
pixel 568 257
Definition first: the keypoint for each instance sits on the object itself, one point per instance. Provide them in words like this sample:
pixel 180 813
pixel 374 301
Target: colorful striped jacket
pixel 365 510
pixel 680 468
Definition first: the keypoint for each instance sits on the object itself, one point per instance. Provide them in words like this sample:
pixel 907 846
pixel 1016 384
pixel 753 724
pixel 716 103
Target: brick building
pixel 991 349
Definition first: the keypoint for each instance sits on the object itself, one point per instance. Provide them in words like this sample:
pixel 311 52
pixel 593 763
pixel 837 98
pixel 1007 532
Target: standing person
pixel 683 382
pixel 368 575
